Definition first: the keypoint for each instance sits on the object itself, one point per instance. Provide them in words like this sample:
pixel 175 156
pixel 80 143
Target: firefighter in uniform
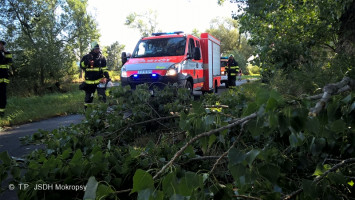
pixel 5 64
pixel 232 69
pixel 96 72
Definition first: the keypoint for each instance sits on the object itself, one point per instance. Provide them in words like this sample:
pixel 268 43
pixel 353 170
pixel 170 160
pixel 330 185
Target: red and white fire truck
pixel 174 58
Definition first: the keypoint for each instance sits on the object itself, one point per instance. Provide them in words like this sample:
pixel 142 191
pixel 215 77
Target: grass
pixel 251 76
pixel 20 110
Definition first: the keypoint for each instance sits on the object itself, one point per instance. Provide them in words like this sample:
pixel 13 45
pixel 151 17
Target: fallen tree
pixel 170 146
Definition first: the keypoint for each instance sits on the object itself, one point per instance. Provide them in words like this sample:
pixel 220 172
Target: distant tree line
pixel 47 39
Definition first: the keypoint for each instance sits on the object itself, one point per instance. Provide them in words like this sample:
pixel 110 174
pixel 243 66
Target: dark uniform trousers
pixel 232 75
pixel 5 64
pixel 89 93
pixel 2 97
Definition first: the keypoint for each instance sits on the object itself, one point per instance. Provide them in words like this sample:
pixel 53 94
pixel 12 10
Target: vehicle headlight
pixel 123 72
pixel 173 70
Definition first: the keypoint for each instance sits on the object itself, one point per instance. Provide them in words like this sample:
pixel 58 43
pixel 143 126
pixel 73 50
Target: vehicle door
pixel 194 66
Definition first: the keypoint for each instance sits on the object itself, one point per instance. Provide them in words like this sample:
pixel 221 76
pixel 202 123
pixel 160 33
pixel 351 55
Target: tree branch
pixel 346 84
pixel 247 197
pixel 140 123
pixel 205 134
pixel 319 178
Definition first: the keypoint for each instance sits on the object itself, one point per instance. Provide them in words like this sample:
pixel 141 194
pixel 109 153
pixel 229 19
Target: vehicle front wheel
pixel 189 87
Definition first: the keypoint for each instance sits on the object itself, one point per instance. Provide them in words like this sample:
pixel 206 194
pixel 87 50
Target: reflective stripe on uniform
pixel 4 80
pixel 8 55
pixel 92 81
pixel 82 64
pixel 93 69
pixel 4 66
pixel 2 109
pixel 104 69
pixel 234 69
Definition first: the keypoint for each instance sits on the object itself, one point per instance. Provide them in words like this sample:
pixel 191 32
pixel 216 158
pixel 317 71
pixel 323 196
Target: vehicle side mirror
pixel 197 53
pixel 123 58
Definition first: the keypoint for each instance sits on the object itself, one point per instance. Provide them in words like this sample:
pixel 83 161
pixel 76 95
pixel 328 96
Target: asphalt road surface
pixel 10 141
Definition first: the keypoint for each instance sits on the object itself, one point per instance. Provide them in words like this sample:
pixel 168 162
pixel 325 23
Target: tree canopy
pixel 46 37
pixel 300 35
pixel 146 22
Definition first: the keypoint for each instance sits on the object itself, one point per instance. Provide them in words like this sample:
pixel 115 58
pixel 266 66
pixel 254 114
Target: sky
pixel 172 15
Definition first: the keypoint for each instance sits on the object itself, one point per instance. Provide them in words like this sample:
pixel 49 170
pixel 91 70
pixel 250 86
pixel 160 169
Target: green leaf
pixel 238 172
pixel 190 182
pixel 91 187
pixel 352 107
pixel 251 155
pixel 204 144
pixel 271 104
pixel 144 194
pixel 312 125
pixel 262 96
pixel 309 188
pixel 277 96
pixel 177 197
pixel 5 158
pixel 66 153
pixel 293 140
pixel 251 108
pixel 317 145
pixel 209 120
pixel 321 169
pixel 77 158
pixel 347 99
pixel 235 156
pixel 142 180
pixel 338 126
pixel 169 184
pixel 273 120
pixel 336 178
pixel 103 191
pixel 211 140
pixel 270 172
pixel 189 152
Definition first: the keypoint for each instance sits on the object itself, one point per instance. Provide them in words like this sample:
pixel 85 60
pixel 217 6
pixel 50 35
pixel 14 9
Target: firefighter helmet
pixel 94 45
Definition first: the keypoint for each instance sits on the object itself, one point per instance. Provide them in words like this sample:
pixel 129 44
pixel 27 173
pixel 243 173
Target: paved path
pixel 9 141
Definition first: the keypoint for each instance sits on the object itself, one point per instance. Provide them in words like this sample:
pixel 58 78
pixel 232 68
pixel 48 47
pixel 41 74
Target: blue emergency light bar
pixel 168 33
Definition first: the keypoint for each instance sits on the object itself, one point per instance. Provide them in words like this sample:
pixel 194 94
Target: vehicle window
pixel 160 47
pixel 191 46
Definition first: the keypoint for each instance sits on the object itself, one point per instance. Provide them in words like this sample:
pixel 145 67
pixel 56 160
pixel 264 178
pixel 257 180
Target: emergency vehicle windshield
pixel 160 47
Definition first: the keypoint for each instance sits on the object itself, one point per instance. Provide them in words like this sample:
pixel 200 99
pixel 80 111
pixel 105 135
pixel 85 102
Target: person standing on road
pixel 96 72
pixel 232 69
pixel 5 64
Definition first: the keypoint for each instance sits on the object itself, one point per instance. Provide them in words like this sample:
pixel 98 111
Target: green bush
pixel 167 147
pixel 253 70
